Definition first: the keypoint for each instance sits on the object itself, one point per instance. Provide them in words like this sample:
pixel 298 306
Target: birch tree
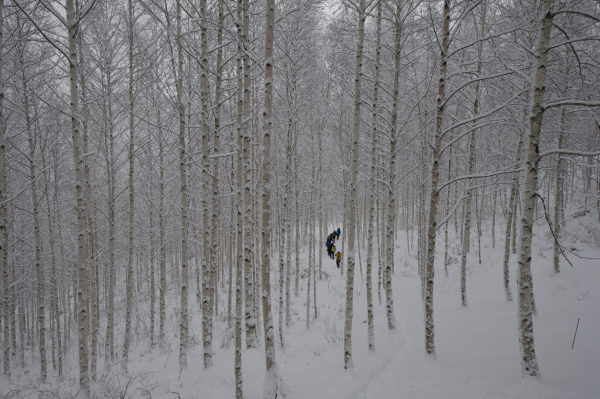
pixel 271 382
pixel 348 363
pixel 39 271
pixel 129 280
pixel 435 175
pixel 529 363
pixel 3 265
pixel 467 227
pixel 374 144
pixel 207 271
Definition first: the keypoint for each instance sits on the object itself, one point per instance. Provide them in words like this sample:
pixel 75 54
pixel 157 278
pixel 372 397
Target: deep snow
pixel 477 347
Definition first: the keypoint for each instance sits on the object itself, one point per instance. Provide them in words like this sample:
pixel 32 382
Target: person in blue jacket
pixel 337 233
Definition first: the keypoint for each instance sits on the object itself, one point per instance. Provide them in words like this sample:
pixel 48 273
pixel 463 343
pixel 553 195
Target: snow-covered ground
pixel 477 347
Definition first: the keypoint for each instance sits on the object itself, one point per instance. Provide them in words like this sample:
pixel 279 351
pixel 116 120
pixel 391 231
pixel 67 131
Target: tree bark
pixel 240 205
pixel 250 316
pixel 373 186
pixel 216 144
pixel 82 292
pixel 208 272
pixel 271 383
pixel 435 175
pixel 468 207
pixel 391 219
pixel 511 210
pixel 558 198
pixel 129 284
pixel 39 271
pixel 53 276
pixel 529 363
pixel 3 230
pixel 348 363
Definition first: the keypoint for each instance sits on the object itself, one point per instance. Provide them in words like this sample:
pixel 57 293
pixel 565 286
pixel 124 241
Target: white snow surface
pixel 477 347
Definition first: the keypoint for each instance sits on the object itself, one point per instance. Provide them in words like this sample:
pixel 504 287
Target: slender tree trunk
pixel 479 210
pixel 435 175
pixel 232 258
pixel 321 208
pixel 184 282
pixel 247 170
pixel 297 240
pixel 41 314
pixel 151 284
pixel 162 261
pixel 216 145
pixel 379 249
pixel 391 219
pixel 240 205
pixel 558 198
pixel 309 263
pixel 348 363
pixel 89 221
pixel 529 363
pixel 473 134
pixel 129 283
pixel 373 185
pixel 53 276
pixel 82 294
pixel 271 384
pixel 207 271
pixel 281 223
pixel 447 210
pixel 110 177
pixel 511 210
pixel 3 230
pixel 494 215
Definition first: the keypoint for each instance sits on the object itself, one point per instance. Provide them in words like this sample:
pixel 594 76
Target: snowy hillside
pixel 477 347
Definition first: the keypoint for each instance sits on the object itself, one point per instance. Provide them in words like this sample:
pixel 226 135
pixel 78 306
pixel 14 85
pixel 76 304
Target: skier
pixel 337 233
pixel 338 258
pixel 332 251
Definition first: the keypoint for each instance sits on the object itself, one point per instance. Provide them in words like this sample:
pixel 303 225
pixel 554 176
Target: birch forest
pixel 171 172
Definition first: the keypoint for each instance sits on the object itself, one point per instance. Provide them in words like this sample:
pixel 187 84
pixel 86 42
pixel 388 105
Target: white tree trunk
pixel 129 284
pixel 151 284
pixel 208 272
pixel 558 198
pixel 184 281
pixel 54 280
pixel 162 257
pixel 447 210
pixel 216 149
pixel 82 292
pixel 250 316
pixel 271 383
pixel 110 177
pixel 511 210
pixel 3 265
pixel 473 134
pixel 351 231
pixel 529 363
pixel 373 187
pixel 240 205
pixel 435 175
pixel 391 213
pixel 297 213
pixel 39 271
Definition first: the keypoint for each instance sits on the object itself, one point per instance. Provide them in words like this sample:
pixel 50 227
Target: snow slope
pixel 477 347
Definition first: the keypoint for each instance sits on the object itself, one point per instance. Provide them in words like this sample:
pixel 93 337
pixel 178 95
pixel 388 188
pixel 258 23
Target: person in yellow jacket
pixel 338 258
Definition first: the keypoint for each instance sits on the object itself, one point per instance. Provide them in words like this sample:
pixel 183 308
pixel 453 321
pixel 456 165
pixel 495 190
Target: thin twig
pixel 552 230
